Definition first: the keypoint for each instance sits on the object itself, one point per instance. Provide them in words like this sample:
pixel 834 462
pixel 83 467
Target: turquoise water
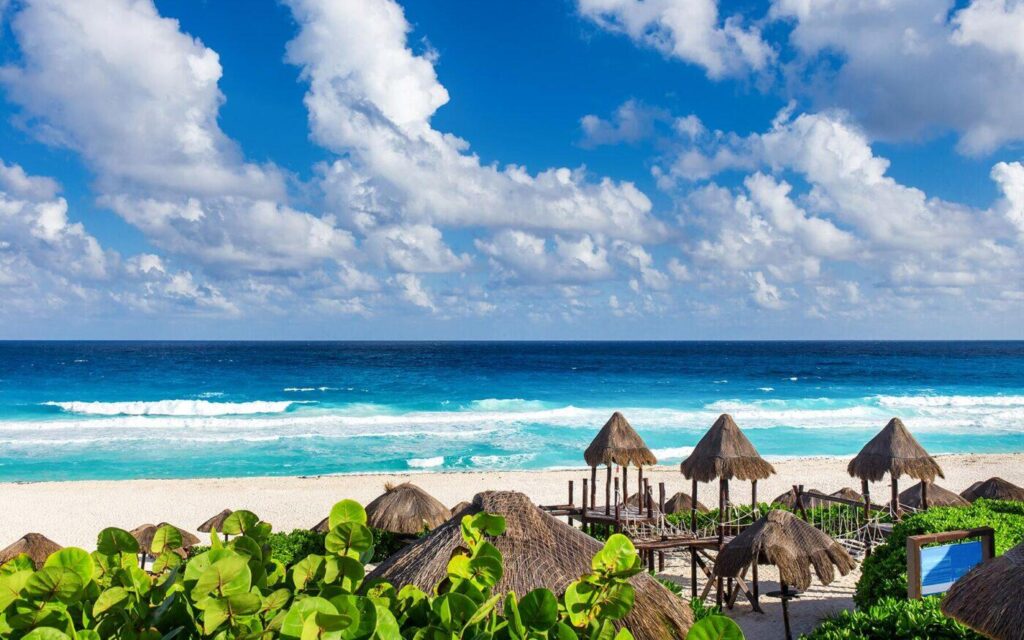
pixel 77 410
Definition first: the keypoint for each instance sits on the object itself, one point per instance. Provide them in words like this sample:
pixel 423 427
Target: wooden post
pixel 650 498
pixel 593 486
pixel 865 489
pixel 693 550
pixel 753 569
pixel 625 484
pixel 728 582
pixel 608 492
pixel 572 498
pixel 785 610
pixel 924 495
pixel 798 490
pixel 722 483
pixel 618 503
pixel 895 505
pixel 583 508
pixel 640 484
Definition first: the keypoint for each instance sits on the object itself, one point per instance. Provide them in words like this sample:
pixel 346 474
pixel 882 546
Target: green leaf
pixel 240 522
pixel 308 570
pixel 113 541
pixel 349 538
pixel 112 597
pixel 46 633
pixel 166 537
pixel 346 511
pixel 489 523
pixel 74 559
pixel 291 626
pixel 244 604
pixel 167 559
pixel 485 571
pixel 275 600
pixel 453 610
pixel 561 631
pixel 20 562
pixel 226 577
pixel 618 557
pixel 539 610
pixel 53 583
pixel 215 613
pixel 387 626
pixel 11 586
pixel 715 627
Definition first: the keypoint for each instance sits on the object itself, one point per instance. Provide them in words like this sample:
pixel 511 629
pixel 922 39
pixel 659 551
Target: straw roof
pixel 216 521
pixel 848 493
pixel 406 509
pixel 618 443
pixel 993 489
pixel 724 452
pixel 35 545
pixel 462 506
pixel 323 526
pixel 784 540
pixel 144 534
pixel 937 497
pixel 788 499
pixel 987 599
pixel 894 451
pixel 539 551
pixel 682 502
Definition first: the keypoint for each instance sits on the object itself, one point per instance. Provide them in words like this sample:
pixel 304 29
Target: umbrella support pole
pixel 785 611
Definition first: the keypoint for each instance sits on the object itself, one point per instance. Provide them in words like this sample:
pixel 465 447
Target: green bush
pixel 703 610
pixel 884 573
pixel 893 619
pixel 289 548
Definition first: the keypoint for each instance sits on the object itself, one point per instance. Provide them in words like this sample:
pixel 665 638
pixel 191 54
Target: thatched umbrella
pixel 788 499
pixel 848 494
pixel 216 522
pixel 987 599
pixel 993 489
pixel 617 443
pixel 784 540
pixel 406 509
pixel 459 508
pixel 539 551
pixel 937 497
pixel 144 535
pixel 723 453
pixel 35 545
pixel 323 526
pixel 682 502
pixel 894 451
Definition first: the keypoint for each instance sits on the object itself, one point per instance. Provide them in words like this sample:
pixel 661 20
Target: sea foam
pixel 172 408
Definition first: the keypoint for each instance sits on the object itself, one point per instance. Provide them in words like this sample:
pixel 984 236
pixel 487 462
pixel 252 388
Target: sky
pixel 544 169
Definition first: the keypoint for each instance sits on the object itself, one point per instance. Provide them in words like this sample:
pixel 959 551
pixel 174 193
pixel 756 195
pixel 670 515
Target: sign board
pixel 933 570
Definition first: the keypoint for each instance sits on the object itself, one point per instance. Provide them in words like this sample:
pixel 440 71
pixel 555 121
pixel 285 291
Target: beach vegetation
pixel 893 619
pixel 256 586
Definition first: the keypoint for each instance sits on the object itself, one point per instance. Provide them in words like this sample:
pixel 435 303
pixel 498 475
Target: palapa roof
pixel 849 494
pixel 993 489
pixel 788 499
pixel 618 443
pixel 144 535
pixel 35 545
pixel 894 450
pixel 406 509
pixel 987 599
pixel 937 497
pixel 459 508
pixel 682 503
pixel 784 540
pixel 216 521
pixel 323 526
pixel 724 452
pixel 539 551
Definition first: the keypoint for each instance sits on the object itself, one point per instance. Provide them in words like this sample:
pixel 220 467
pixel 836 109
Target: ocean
pixel 113 410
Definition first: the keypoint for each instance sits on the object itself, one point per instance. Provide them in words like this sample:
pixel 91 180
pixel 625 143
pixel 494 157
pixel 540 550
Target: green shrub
pixel 884 573
pixel 893 619
pixel 703 610
pixel 289 548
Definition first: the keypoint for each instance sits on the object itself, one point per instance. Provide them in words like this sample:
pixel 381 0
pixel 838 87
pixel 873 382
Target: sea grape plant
pixel 236 590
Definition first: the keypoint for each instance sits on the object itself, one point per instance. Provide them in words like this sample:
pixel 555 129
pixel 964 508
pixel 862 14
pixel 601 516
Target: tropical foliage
pixel 245 589
pixel 893 619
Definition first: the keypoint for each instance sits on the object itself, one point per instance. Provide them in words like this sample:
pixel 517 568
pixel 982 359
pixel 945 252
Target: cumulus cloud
pixel 690 30
pixel 632 122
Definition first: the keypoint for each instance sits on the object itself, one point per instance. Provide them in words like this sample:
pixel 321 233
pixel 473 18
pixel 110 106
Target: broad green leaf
pixel 46 633
pixel 53 583
pixel 387 626
pixel 539 610
pixel 346 511
pixel 617 601
pixel 247 547
pixel 240 522
pixel 112 597
pixel 113 541
pixel 167 559
pixel 604 631
pixel 87 634
pixel 715 627
pixel 226 577
pixel 73 558
pixel 11 586
pixel 215 613
pixel 20 562
pixel 308 570
pixel 345 572
pixel 617 557
pixel 516 628
pixel 292 624
pixel 244 604
pixel 166 537
pixel 624 634
pixel 453 610
pixel 561 631
pixel 485 571
pixel 577 602
pixel 275 600
pixel 489 523
pixel 349 538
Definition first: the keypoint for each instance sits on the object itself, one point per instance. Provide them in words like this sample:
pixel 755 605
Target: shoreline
pixel 72 512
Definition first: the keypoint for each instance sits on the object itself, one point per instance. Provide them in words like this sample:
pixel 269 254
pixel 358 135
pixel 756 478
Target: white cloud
pixel 632 122
pixel 524 258
pixel 690 30
pixel 415 248
pixel 412 290
pixel 1010 178
pixel 997 25
pixel 765 294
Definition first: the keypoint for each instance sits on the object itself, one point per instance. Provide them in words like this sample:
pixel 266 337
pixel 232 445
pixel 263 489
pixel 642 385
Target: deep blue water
pixel 76 410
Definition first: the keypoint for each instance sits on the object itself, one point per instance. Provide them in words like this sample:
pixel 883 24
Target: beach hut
pixel 913 498
pixel 406 509
pixel 144 535
pixel 34 545
pixel 894 451
pixel 788 499
pixel 216 522
pixel 460 507
pixel 987 599
pixel 617 443
pixel 847 493
pixel 538 550
pixel 993 489
pixel 323 526
pixel 723 453
pixel 793 546
pixel 682 502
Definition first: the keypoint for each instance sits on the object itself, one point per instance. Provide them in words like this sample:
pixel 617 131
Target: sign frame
pixel 916 543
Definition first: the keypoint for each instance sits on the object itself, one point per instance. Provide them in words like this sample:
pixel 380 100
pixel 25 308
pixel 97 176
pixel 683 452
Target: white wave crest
pixel 425 463
pixel 172 408
pixel 507 404
pixel 671 453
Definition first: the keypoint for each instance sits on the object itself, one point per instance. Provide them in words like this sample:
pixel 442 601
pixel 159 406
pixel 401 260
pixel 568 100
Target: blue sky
pixel 678 169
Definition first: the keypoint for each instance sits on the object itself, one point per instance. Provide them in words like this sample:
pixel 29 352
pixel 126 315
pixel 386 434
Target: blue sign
pixel 943 565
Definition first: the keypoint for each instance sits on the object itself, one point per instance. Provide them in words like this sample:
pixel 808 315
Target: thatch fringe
pixel 784 540
pixel 35 545
pixel 937 497
pixel 406 509
pixel 895 451
pixel 682 502
pixel 216 521
pixel 988 598
pixel 788 499
pixel 539 551
pixel 618 443
pixel 848 494
pixel 724 452
pixel 993 489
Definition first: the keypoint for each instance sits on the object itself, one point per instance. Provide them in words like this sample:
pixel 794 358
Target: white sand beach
pixel 72 513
